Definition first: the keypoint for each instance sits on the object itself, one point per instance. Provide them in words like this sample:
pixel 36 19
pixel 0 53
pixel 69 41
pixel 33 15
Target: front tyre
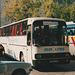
pixel 19 72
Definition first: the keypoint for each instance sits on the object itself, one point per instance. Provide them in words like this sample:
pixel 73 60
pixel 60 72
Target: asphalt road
pixel 63 69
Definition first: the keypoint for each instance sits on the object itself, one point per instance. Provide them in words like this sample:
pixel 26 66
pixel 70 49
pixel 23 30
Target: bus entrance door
pixel 29 46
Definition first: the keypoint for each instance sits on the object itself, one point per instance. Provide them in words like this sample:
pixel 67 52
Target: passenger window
pixel 0 32
pixel 73 31
pixel 29 27
pixel 12 30
pixel 24 27
pixel 68 31
pixel 21 30
pixel 3 31
pixel 7 31
pixel 15 30
pixel 18 29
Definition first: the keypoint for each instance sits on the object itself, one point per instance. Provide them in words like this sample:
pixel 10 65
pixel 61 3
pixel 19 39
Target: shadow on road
pixel 57 68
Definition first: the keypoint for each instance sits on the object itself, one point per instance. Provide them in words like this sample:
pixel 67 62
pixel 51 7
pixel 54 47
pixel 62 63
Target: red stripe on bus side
pixel 73 40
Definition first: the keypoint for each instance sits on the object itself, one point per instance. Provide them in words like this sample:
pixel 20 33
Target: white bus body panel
pixel 49 49
pixel 12 43
pixel 71 40
pixel 3 41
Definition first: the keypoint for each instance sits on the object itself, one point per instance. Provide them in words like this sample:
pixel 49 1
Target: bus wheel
pixel 21 57
pixel 19 72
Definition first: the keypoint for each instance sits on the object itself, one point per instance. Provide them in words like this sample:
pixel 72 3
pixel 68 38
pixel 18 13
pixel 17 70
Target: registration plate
pixel 53 61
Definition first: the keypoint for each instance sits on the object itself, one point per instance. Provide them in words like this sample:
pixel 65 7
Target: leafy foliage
pixel 72 12
pixel 51 9
pixel 20 9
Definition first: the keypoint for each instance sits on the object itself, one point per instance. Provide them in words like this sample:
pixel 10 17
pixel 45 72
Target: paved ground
pixel 66 69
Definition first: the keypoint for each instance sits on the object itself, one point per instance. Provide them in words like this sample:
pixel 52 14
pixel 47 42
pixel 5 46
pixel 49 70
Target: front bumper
pixel 51 61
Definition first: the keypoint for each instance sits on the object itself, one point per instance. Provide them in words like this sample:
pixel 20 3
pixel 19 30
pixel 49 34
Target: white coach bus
pixel 71 36
pixel 36 40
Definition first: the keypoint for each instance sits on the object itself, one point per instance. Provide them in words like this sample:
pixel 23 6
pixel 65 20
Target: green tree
pixel 68 13
pixel 36 9
pixel 18 9
pixel 72 12
pixel 66 1
pixel 51 9
pixel 65 13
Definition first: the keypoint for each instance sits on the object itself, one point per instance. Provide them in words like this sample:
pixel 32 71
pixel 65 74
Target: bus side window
pixel 3 31
pixel 73 31
pixel 7 31
pixel 10 30
pixel 18 29
pixel 15 29
pixel 0 32
pixel 24 28
pixel 29 38
pixel 68 31
pixel 21 28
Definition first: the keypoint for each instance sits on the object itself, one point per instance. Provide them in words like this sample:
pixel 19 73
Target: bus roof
pixel 30 20
pixel 70 23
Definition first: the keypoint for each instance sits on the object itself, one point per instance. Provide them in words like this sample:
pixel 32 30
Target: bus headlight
pixel 38 56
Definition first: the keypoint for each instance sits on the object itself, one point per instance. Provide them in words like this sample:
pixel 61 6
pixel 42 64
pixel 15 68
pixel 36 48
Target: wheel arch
pixel 20 55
